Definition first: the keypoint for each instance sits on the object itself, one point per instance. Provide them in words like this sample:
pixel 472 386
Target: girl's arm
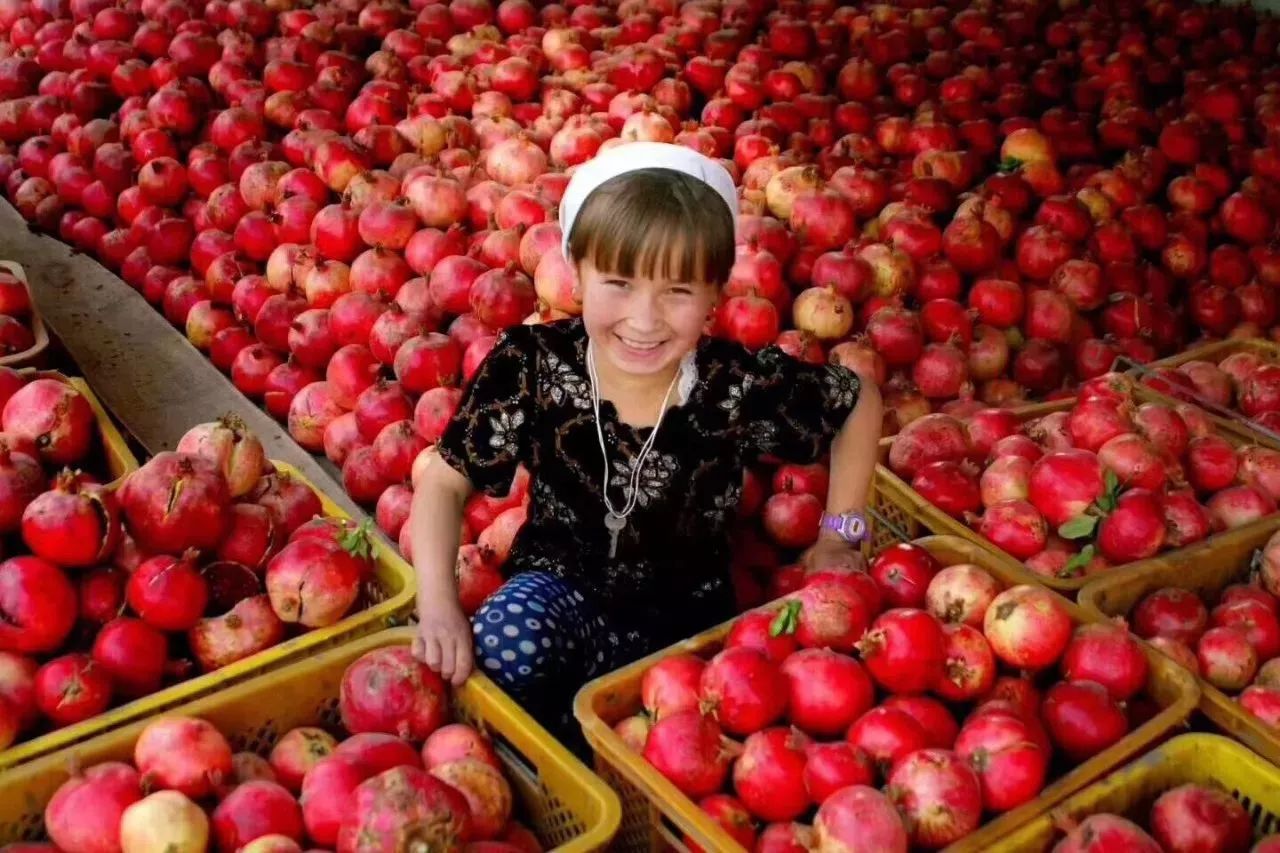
pixel 853 463
pixel 853 457
pixel 444 641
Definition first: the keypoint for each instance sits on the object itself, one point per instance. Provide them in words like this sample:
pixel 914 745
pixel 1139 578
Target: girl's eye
pixel 613 282
pixel 680 291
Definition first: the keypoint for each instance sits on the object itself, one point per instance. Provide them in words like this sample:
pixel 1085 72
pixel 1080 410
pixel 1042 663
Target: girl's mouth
pixel 639 346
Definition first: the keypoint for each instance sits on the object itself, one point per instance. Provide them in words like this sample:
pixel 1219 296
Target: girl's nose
pixel 645 314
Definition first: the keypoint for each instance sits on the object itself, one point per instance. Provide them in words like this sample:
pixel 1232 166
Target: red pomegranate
pixel 387 690
pixel 175 502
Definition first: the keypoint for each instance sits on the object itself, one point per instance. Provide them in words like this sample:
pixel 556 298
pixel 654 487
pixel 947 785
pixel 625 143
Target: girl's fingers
pixel 431 652
pixel 447 657
pixel 464 658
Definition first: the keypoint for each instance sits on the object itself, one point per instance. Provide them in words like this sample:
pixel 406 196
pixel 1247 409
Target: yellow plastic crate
pixel 655 813
pixel 35 355
pixel 389 597
pixel 1214 353
pixel 894 499
pixel 563 802
pixel 1200 759
pixel 1205 569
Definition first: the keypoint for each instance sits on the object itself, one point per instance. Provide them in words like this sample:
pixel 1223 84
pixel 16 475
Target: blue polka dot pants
pixel 540 640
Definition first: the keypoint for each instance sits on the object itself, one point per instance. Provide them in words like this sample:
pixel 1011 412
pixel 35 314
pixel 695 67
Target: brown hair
pixel 656 223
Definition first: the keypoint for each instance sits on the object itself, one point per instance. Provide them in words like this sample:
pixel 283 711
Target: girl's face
pixel 642 326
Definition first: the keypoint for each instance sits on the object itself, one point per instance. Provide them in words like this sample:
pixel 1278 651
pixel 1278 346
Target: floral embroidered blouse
pixel 530 403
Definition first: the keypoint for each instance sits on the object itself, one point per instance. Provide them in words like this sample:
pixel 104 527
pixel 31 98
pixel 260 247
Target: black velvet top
pixel 530 403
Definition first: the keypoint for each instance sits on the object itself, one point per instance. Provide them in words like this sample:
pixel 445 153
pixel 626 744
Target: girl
pixel 635 428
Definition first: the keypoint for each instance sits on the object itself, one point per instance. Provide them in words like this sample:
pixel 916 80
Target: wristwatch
pixel 849 526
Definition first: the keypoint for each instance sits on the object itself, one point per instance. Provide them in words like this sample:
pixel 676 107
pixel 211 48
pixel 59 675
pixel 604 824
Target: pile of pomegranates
pixel 1103 483
pixel 975 205
pixel 397 775
pixel 200 558
pixel 1245 382
pixel 907 705
pixel 1186 817
pixel 1231 640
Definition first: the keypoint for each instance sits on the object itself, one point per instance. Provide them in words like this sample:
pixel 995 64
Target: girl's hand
pixel 445 641
pixel 832 554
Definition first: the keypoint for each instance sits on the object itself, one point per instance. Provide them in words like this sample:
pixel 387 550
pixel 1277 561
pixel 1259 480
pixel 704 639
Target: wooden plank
pixel 146 372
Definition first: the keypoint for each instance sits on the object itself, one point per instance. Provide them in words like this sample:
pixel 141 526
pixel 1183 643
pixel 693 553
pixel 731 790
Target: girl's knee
pixel 515 646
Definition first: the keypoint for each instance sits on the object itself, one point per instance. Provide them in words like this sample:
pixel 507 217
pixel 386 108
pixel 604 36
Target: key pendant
pixel 614 524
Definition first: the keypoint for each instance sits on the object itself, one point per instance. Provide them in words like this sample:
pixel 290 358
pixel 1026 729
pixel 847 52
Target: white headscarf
pixel 641 155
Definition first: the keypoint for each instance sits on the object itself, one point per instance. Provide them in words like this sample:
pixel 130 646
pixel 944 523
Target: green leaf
pixel 1110 482
pixel 1077 563
pixel 1079 527
pixel 1009 164
pixel 786 621
pixel 358 542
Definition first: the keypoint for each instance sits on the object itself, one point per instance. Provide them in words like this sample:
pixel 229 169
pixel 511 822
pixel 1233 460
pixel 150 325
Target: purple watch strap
pixel 850 526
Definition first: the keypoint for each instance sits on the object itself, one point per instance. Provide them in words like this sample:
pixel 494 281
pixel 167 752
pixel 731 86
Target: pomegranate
pixel 1015 526
pixel 1010 764
pixel 826 691
pixel 231 448
pixel 405 806
pixel 85 811
pixel 1007 478
pixel 185 754
pixel 165 820
pixel 176 501
pixel 1108 655
pixel 826 614
pixel 72 525
pixel 1028 628
pixel 55 416
pixel 38 605
pixel 672 685
pixel 487 792
pixel 1227 659
pixel 932 438
pixel 1174 613
pixel 133 654
pixel 1065 483
pixel 169 593
pixel 249 627
pixel 455 741
pixel 903 572
pixel 961 594
pixel 314 583
pixel 1135 528
pixel 1099 832
pixel 1191 817
pixel 860 816
pixel 1082 718
pixel 939 795
pixel 687 748
pixel 293 502
pixel 769 774
pixel 255 809
pixel 743 689
pixel 72 688
pixel 387 690
pixel 904 650
pixel 732 816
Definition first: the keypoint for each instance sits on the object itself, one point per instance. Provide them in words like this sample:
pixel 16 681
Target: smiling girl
pixel 635 427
